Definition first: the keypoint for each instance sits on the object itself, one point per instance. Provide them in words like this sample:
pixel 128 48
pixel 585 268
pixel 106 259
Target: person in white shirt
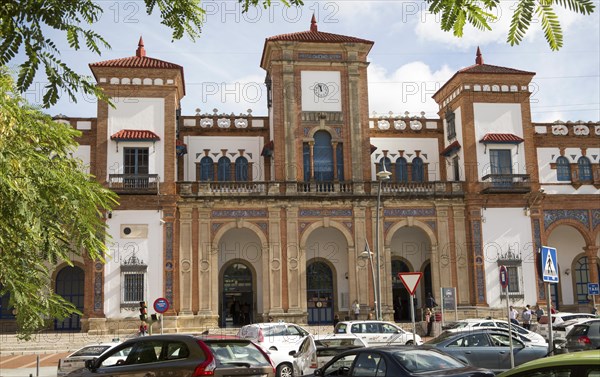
pixel 513 314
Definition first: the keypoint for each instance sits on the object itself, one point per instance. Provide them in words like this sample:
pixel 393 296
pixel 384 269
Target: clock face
pixel 321 89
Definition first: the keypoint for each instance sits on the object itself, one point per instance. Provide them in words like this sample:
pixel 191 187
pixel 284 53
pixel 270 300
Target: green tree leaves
pixel 456 13
pixel 50 209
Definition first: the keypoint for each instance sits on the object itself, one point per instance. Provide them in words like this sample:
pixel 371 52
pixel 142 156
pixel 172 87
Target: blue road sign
pixel 549 265
pixel 161 305
pixel 593 289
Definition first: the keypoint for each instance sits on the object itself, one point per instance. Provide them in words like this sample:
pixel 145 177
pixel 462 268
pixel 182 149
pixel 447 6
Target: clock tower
pixel 318 106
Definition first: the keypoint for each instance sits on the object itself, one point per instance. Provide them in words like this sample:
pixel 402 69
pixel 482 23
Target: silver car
pixel 317 350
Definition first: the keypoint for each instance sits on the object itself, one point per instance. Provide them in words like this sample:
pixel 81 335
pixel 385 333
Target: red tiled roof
pixel 140 135
pixel 314 35
pixel 454 146
pixel 501 138
pixel 488 68
pixel 136 62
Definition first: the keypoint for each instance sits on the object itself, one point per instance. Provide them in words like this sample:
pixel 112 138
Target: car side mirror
pixel 293 353
pixel 91 364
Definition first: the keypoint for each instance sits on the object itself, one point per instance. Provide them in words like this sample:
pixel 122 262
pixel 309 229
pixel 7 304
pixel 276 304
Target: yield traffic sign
pixel 410 280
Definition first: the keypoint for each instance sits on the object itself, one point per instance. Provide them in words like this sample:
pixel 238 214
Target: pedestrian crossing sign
pixel 549 265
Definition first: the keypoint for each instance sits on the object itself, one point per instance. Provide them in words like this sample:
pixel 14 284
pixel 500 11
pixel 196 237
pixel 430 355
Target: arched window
pixel 241 169
pixel 582 278
pixel 223 169
pixel 585 169
pixel 206 169
pixel 339 156
pixel 306 161
pixel 323 157
pixel 401 170
pixel 385 163
pixel 563 169
pixel 417 169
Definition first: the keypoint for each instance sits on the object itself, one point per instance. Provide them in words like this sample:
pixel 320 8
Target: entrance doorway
pixel 319 293
pixel 69 285
pixel 399 292
pixel 237 302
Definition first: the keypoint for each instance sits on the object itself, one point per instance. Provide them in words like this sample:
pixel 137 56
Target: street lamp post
pixel 383 175
pixel 367 254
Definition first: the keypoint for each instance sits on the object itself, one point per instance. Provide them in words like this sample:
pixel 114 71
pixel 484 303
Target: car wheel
pixel 285 370
pixel 409 343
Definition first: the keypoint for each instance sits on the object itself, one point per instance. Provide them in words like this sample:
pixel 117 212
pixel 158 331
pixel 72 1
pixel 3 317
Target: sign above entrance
pixel 410 280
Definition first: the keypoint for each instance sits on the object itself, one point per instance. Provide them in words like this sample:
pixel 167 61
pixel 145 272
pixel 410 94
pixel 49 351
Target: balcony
pixel 134 183
pixel 320 189
pixel 506 183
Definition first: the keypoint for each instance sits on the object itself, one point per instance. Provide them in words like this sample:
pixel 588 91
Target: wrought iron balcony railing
pixel 134 183
pixel 506 183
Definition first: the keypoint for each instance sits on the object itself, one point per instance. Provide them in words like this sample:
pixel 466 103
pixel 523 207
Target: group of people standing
pixel 526 315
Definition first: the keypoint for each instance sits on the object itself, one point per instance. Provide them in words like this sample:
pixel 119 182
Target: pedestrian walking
pixel 430 318
pixel 513 314
pixel 539 312
pixel 356 309
pixel 526 316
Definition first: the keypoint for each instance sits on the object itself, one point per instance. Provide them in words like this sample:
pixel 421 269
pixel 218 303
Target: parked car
pixel 557 319
pixel 477 323
pixel 278 339
pixel 562 330
pixel 179 355
pixel 487 348
pixel 317 350
pixel 579 364
pixel 398 361
pixel 76 360
pixel 584 336
pixel 377 333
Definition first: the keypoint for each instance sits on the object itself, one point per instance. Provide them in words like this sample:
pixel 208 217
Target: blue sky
pixel 411 57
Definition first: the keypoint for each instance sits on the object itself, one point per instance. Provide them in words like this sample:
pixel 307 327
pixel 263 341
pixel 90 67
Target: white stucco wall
pixel 136 114
pixel 83 153
pixel 502 118
pixel 428 147
pixel 548 176
pixel 504 228
pixel 252 147
pixel 149 250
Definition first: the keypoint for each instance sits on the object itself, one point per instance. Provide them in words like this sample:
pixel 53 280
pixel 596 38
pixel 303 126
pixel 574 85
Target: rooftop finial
pixel 141 51
pixel 313 23
pixel 479 58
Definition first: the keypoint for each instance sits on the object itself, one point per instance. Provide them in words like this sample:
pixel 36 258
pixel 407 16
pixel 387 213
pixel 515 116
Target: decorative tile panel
pixel 554 215
pixel 98 302
pixel 595 218
pixel 242 213
pixel 348 224
pixel 432 225
pixel 402 212
pixel 324 212
pixel 169 263
pixel 479 265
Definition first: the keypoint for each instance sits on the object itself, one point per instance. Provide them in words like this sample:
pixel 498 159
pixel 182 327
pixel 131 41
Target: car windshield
pixel 238 353
pixel 426 361
pixel 91 350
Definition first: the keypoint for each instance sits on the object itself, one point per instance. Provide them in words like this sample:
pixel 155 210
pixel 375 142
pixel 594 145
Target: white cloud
pixel 408 88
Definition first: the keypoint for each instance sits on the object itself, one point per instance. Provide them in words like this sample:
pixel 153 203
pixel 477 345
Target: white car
pixel 317 350
pixel 278 339
pixel 497 323
pixel 377 333
pixel 557 319
pixel 77 359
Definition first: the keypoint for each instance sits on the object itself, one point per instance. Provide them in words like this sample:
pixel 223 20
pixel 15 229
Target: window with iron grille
pixel 513 262
pixel 133 282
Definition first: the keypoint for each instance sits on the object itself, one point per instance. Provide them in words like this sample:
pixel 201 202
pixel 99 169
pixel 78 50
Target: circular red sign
pixel 161 305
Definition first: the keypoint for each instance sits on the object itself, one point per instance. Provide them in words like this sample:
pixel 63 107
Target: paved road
pixel 25 365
